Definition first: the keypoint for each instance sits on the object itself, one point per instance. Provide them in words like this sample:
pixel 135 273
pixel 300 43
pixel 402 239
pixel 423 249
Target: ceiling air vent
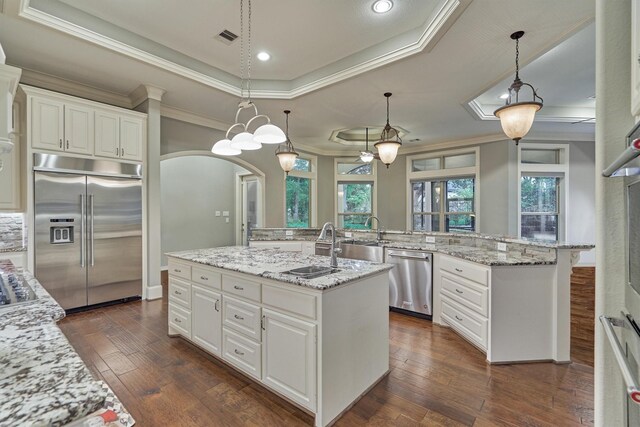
pixel 226 37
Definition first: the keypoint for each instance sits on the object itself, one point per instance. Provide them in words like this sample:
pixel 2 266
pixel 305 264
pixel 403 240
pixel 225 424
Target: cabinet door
pixel 47 124
pixel 78 129
pixel 131 138
pixel 206 319
pixel 10 179
pixel 107 135
pixel 289 357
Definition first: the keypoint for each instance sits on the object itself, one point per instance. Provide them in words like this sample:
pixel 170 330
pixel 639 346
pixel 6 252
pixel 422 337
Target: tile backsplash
pixel 12 232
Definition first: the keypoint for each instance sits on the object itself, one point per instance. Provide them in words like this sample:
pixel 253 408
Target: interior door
pixel 250 206
pixel 114 219
pixel 60 257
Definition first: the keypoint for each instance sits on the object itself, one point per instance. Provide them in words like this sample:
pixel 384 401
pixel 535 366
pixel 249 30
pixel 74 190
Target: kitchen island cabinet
pixel 320 343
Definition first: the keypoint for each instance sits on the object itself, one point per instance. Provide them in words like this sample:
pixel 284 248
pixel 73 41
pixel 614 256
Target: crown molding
pixel 477 110
pixel 193 118
pixel 58 84
pixel 144 92
pixel 442 19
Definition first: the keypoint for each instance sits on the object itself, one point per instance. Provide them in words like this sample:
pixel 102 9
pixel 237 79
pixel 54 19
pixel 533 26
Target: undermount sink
pixel 312 271
pixel 367 250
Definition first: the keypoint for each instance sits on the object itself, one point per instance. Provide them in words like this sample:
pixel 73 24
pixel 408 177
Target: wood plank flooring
pixel 437 378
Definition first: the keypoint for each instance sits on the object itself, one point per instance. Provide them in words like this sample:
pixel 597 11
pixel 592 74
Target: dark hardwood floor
pixel 437 379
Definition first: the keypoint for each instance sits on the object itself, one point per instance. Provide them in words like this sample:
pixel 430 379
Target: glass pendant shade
pixel 388 151
pixel 269 134
pixel 367 156
pixel 287 160
pixel 5 146
pixel 224 148
pixel 517 119
pixel 245 141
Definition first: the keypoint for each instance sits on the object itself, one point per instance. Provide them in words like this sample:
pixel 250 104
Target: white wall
pixel 192 189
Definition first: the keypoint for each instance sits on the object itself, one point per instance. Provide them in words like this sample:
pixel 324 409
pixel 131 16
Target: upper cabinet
pixel 635 58
pixel 76 126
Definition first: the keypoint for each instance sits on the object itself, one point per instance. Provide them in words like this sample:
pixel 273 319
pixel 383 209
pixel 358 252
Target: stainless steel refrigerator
pixel 88 229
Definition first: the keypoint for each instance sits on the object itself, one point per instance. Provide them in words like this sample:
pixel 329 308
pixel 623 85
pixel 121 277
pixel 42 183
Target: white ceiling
pixel 431 89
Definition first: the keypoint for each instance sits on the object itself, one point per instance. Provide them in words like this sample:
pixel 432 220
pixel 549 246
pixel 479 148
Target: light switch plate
pixel 226 220
pixel 218 213
pixel 430 239
pixel 225 213
pixel 502 247
pixel 348 234
pixel 288 233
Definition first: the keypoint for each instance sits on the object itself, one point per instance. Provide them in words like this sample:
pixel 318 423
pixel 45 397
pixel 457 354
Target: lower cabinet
pixel 289 357
pixel 206 319
pixel 242 353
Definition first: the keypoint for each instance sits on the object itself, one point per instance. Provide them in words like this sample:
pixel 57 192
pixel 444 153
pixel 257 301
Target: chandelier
pixel 516 117
pixel 285 152
pixel 244 139
pixel 390 140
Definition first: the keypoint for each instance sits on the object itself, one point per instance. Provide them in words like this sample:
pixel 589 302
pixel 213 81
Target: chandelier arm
pixel 244 128
pixel 258 117
pixel 244 106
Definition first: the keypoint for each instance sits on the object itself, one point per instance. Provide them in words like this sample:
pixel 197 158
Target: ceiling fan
pixel 367 156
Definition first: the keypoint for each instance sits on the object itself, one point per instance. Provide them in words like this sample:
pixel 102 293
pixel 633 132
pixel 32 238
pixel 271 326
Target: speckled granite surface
pixel 44 382
pixel 13 249
pixel 271 263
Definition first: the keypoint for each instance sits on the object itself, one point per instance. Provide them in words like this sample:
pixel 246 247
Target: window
pixel 355 186
pixel 543 174
pixel 539 204
pixel 300 194
pixel 446 205
pixel 443 191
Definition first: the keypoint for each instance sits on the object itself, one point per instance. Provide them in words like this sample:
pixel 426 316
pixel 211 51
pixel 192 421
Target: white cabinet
pixel 289 357
pixel 206 319
pixel 10 178
pixel 635 57
pixel 119 136
pixel 58 126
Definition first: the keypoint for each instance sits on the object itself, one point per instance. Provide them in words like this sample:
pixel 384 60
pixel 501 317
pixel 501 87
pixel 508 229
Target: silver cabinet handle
pixel 67 144
pixel 204 278
pixel 238 352
pixel 122 152
pixel 61 143
pixel 421 258
pixel 177 320
pixel 239 288
pixel 177 270
pixel 459 318
pixel 263 323
pixel 83 213
pixel 216 307
pixel 632 387
pixel 275 247
pixel 177 292
pixel 116 151
pixel 458 270
pixel 238 317
pixel 92 232
pixel 459 291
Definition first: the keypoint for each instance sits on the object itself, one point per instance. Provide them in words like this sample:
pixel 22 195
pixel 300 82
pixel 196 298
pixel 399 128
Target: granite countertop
pixel 271 263
pixel 13 249
pixel 44 382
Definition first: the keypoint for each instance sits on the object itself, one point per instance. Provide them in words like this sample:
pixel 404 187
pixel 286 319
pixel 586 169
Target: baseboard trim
pixel 153 292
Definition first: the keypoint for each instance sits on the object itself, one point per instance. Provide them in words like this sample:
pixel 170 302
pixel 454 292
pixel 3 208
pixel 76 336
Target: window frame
pixel 443 175
pixel 559 170
pixel 354 179
pixel 313 188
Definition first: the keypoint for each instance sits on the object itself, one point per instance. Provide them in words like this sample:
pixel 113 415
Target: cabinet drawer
pixel 466 292
pixel 206 277
pixel 242 317
pixel 465 269
pixel 180 320
pixel 291 301
pixel 463 320
pixel 241 287
pixel 242 353
pixel 179 292
pixel 179 269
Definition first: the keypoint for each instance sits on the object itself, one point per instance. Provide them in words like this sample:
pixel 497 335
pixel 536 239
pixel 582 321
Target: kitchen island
pixel 44 382
pixel 320 343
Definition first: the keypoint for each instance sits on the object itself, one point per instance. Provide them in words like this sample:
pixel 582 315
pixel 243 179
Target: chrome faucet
pixel 334 250
pixel 378 230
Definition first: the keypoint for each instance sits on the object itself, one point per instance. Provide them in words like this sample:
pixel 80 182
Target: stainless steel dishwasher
pixel 411 281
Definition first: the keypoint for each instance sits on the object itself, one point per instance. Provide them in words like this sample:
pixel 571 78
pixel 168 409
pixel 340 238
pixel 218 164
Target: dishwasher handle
pixel 416 257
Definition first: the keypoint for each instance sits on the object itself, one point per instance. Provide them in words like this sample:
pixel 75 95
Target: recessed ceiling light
pixel 382 6
pixel 263 56
pixel 504 96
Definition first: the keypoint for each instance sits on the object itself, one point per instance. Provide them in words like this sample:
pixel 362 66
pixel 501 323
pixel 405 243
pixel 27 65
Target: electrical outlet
pixel 502 247
pixel 226 220
pixel 348 234
pixel 218 213
pixel 288 233
pixel 430 239
pixel 502 257
pixel 225 213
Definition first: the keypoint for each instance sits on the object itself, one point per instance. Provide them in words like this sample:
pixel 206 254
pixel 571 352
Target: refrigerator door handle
pixel 82 229
pixel 91 235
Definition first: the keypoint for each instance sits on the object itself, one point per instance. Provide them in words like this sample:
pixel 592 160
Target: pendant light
pixel 516 117
pixel 390 140
pixel 285 152
pixel 268 133
pixel 367 156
